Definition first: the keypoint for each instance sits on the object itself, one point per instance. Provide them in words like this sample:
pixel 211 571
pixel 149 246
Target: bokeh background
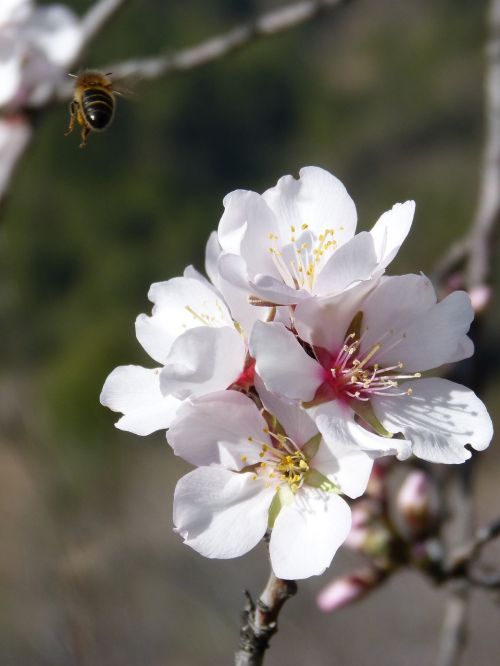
pixel 388 96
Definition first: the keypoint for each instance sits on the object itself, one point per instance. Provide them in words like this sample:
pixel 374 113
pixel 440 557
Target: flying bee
pixel 93 103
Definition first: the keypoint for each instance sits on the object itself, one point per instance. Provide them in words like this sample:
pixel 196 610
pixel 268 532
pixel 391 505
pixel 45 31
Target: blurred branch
pixel 103 11
pixel 473 255
pixel 488 209
pixel 475 250
pixel 215 48
pixel 95 20
pixel 454 630
pixel 260 620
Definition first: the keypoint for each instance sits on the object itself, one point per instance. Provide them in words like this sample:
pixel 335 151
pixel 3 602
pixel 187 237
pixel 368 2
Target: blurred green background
pixel 386 95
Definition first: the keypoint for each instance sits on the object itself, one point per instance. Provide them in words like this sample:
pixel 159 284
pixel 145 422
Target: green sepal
pixel 355 325
pixel 310 448
pixel 364 409
pixel 317 480
pixel 281 498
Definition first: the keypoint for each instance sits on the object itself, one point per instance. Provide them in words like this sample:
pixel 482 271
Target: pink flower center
pixel 352 374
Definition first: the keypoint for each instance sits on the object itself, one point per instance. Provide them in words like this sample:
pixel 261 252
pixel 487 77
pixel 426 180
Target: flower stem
pixel 259 621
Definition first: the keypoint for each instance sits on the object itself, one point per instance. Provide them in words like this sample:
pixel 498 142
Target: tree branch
pixel 488 208
pixel 260 620
pixel 475 249
pixel 215 48
pixel 95 20
pixel 474 252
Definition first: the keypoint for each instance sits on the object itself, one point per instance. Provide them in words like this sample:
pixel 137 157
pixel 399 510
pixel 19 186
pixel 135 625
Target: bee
pixel 93 103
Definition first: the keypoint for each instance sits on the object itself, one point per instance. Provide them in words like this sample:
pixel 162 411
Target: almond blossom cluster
pixel 295 365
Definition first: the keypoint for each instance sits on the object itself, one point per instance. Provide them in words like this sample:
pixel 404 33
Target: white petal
pixel 275 291
pixel 213 251
pixel 217 429
pixel 439 419
pixel 15 10
pixel 317 199
pixel 194 274
pixel 244 229
pixel 354 261
pixel 295 420
pixel 57 32
pixel 390 231
pixel 220 513
pixel 282 364
pixel 347 467
pixel 234 285
pixel 339 429
pixel 11 74
pixel 203 360
pixel 323 322
pixel 135 392
pixel 464 349
pixel 433 338
pixel 180 304
pixel 15 134
pixel 307 534
pixel 393 306
pixel 233 269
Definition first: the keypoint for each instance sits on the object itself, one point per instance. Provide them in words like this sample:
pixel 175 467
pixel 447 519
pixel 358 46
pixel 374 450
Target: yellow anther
pixel 243 458
pixel 304 227
pixel 250 439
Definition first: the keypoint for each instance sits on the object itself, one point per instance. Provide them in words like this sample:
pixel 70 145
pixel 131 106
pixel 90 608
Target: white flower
pixel 15 133
pixel 12 11
pixel 252 475
pixel 36 45
pixel 297 239
pixel 366 353
pixel 199 349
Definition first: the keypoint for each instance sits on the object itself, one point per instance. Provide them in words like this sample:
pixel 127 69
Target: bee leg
pixel 85 133
pixel 73 111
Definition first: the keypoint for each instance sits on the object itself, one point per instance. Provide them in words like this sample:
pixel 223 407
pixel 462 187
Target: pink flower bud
pixel 353 587
pixel 480 298
pixel 364 513
pixel 418 504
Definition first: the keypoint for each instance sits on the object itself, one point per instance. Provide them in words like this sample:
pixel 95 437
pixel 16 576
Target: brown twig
pixel 260 620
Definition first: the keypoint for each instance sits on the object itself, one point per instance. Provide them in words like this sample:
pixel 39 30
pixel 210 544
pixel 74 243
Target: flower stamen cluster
pixel 300 271
pixel 352 376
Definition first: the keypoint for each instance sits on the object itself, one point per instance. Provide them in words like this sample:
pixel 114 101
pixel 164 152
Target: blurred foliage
pixel 386 95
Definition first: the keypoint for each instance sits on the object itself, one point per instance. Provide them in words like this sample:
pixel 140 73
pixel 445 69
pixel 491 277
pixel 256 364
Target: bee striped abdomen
pixel 97 107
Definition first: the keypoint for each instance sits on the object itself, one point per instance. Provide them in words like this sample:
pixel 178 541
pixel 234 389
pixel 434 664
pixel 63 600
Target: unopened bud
pixel 480 298
pixel 376 488
pixel 364 513
pixel 348 589
pixel 418 504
